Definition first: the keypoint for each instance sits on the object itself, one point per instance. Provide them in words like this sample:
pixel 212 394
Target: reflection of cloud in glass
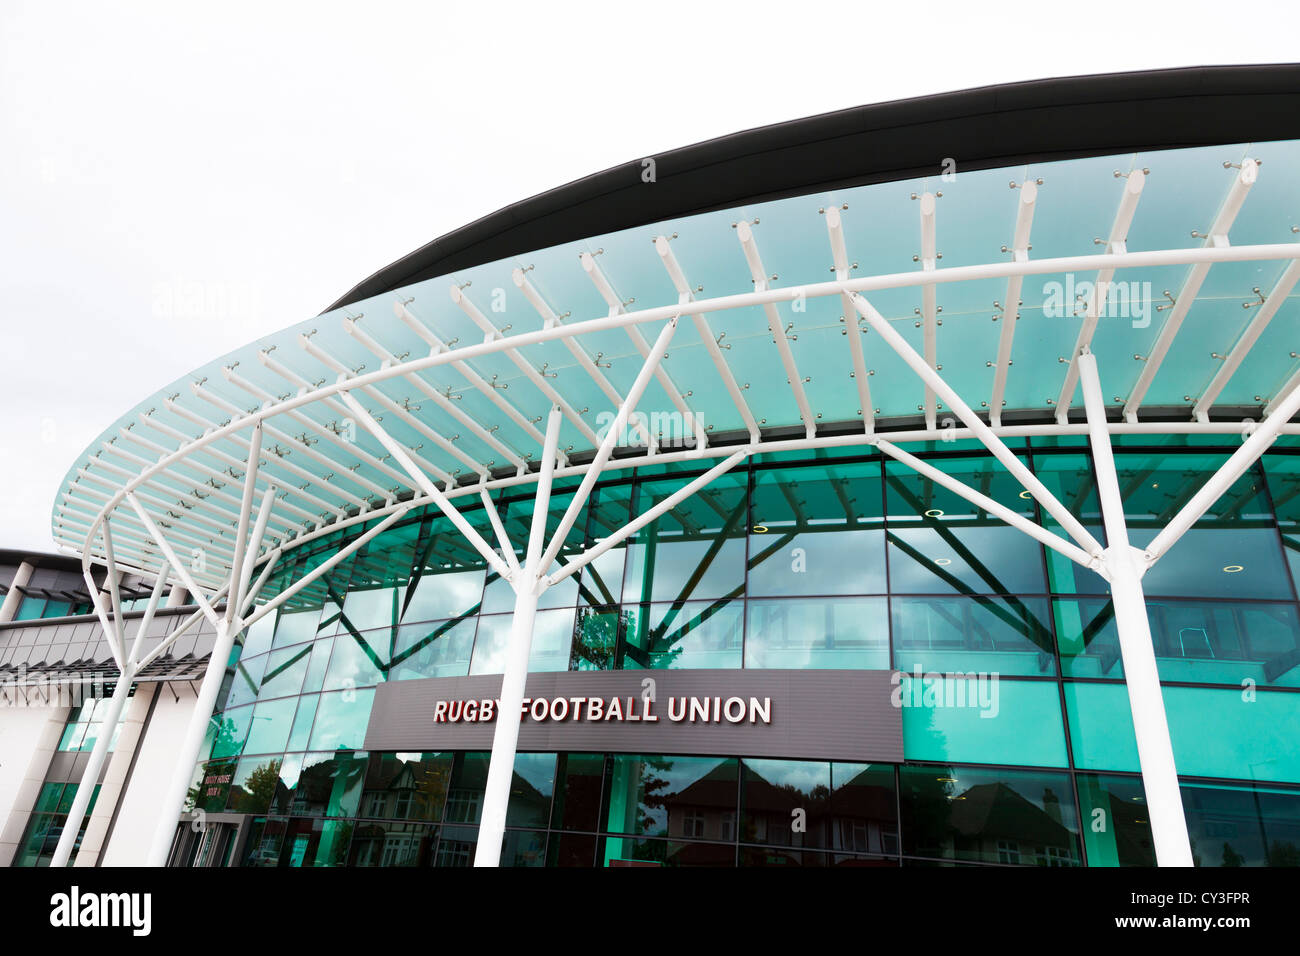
pixel 552 639
pixel 800 774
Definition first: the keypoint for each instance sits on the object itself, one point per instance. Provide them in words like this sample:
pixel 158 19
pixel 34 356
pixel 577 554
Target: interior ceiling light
pixel 943 562
pixel 1233 568
pixel 934 513
pixel 1025 494
pixel 760 529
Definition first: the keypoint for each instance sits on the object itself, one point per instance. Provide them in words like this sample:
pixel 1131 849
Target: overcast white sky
pixel 273 154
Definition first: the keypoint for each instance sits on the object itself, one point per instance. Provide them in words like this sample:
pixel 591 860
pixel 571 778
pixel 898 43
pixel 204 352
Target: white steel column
pixel 505 737
pixel 15 596
pixel 172 804
pixel 99 753
pixel 1125 566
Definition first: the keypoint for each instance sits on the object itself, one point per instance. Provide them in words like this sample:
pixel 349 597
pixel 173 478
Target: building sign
pixel 812 714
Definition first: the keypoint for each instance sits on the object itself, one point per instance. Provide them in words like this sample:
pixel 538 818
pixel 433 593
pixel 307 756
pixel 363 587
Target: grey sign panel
pixel 818 714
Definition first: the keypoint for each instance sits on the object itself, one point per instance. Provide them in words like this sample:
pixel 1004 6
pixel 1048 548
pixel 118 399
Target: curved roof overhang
pixel 1013 124
pixel 881 306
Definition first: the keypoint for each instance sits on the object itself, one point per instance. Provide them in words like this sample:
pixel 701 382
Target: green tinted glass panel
pixel 1012 817
pixel 406 786
pixel 982 719
pixel 321 652
pixel 595 638
pixel 330 784
pixel 341 719
pixel 577 795
pixel 285 670
pixel 531 788
pixel 232 729
pixel 441 596
pixel 294 627
pixel 782 802
pixel 693 634
pixel 302 722
pixel 433 649
pixel 552 642
pixel 1087 638
pixel 255 784
pixel 1008 635
pixel 943 558
pixel 272 722
pixel 392 844
pixel 813 632
pixel 359 660
pixel 665 796
pixel 1101 726
pixel 1117 829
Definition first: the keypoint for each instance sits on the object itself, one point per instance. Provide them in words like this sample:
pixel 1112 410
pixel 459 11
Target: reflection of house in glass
pixel 858 818
pixel 991 821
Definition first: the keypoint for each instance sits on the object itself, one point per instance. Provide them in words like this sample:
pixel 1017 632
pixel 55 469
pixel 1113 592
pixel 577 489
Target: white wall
pixel 28 736
pixel 137 816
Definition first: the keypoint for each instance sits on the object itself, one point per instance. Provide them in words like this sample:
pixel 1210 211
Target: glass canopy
pixel 456 371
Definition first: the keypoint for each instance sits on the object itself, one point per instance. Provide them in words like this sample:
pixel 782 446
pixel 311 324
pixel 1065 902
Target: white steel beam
pixel 552 321
pixel 1291 385
pixel 114 589
pixel 445 402
pixel 109 624
pixel 761 284
pixel 852 328
pixel 493 393
pixel 1141 675
pixel 191 585
pixel 711 343
pixel 1266 310
pixel 308 476
pixel 982 431
pixel 929 298
pixel 403 413
pixel 1217 252
pixel 270 467
pixel 343 443
pixel 421 481
pixel 127 670
pixel 503 539
pixel 1017 521
pixel 1027 195
pixel 208 487
pixel 493 334
pixel 241 529
pixel 1216 238
pixel 85 475
pixel 333 561
pixel 576 564
pixel 1117 241
pixel 607 445
pixel 505 735
pixel 1243 458
pixel 617 307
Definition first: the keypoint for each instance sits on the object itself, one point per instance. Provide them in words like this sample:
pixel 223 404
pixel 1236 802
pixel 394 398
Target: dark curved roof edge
pixel 1008 125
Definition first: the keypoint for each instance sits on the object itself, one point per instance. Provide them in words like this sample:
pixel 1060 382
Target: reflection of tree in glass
pixel 261 783
pixel 227 742
pixel 1284 854
pixel 596 638
pixel 654 792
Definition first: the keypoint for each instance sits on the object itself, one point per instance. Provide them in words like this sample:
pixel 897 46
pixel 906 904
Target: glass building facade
pixel 804 561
